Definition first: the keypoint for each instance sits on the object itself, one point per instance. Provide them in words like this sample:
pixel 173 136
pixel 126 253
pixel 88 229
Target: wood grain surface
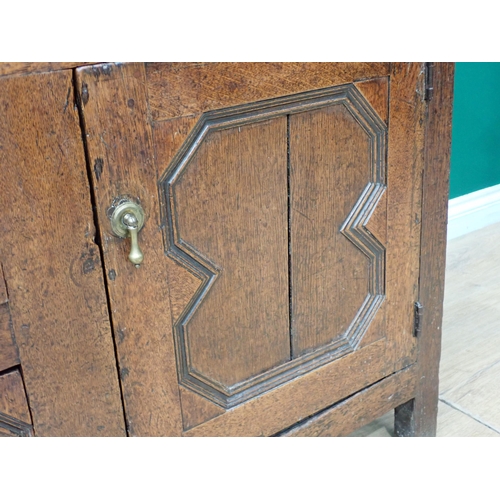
pixel 4 295
pixel 306 395
pixel 52 265
pixel 231 207
pixel 433 248
pixel 168 137
pixel 187 89
pixel 136 118
pixel 120 150
pixel 330 165
pixel 377 224
pixel 197 409
pixel 360 409
pixel 24 68
pixel 15 418
pixel 376 92
pixel 9 355
pixel 404 195
pixel 13 400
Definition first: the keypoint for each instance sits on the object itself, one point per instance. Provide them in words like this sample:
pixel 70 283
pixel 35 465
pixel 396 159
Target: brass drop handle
pixel 135 256
pixel 127 219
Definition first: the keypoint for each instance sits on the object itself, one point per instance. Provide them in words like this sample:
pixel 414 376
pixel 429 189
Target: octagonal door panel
pixel 272 241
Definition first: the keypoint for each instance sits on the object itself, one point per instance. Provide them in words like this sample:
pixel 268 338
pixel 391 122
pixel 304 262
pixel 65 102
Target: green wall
pixel 475 146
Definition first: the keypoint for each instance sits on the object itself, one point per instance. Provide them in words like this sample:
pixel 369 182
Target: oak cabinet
pixel 294 225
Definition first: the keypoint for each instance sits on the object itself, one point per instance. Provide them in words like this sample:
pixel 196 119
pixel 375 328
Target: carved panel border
pixel 353 228
pixel 14 426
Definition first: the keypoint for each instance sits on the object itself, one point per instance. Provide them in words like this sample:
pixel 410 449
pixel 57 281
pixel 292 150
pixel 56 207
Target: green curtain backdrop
pixel 475 147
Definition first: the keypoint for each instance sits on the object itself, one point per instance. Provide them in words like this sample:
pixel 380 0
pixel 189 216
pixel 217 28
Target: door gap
pixel 289 218
pixel 97 238
pixel 11 369
pixel 26 395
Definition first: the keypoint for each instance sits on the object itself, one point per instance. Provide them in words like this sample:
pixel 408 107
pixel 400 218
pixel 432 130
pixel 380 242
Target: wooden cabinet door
pixel 281 241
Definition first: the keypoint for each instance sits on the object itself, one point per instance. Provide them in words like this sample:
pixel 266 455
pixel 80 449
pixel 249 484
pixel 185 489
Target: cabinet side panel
pixel 433 250
pixel 51 264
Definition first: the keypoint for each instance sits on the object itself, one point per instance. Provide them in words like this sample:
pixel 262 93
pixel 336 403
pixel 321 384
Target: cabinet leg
pixel 404 422
pixel 412 419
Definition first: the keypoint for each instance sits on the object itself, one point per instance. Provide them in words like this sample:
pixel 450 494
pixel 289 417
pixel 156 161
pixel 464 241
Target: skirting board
pixel 473 211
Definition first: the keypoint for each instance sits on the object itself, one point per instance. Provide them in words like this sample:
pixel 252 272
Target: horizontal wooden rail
pixel 359 409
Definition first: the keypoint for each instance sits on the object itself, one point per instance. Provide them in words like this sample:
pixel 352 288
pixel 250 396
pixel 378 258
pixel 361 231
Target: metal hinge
pixel 419 312
pixel 429 81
